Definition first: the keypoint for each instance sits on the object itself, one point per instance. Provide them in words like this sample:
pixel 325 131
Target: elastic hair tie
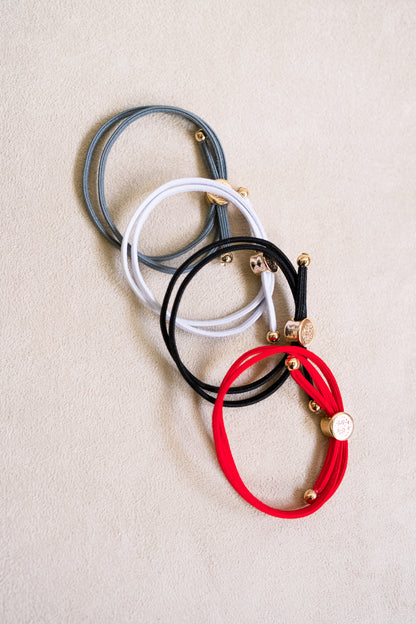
pixel 214 160
pixel 335 423
pixel 265 252
pixel 262 301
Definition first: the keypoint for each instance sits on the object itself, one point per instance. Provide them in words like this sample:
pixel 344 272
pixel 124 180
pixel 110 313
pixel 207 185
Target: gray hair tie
pixel 214 159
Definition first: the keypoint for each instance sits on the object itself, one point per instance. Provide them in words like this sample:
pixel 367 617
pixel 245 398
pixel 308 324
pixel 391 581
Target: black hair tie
pixel 297 283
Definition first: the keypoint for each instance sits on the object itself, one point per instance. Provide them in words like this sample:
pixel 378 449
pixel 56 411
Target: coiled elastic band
pixel 134 276
pixel 325 392
pixel 297 283
pixel 214 160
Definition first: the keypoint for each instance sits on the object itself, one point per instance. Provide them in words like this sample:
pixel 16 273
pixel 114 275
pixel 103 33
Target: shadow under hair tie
pixel 335 423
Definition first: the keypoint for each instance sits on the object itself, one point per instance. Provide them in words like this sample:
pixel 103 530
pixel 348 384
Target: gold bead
pixel 304 260
pixel 310 496
pixel 272 336
pixel 243 191
pixel 292 363
pixel 300 331
pixel 313 406
pixel 217 199
pixel 340 426
pixel 260 263
pixel 226 258
pixel 199 136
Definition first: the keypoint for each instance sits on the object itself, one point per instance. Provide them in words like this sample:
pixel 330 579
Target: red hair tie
pixel 336 424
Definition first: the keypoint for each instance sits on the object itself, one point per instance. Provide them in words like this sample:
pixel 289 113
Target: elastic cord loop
pixel 215 327
pixel 279 373
pixel 213 157
pixel 327 395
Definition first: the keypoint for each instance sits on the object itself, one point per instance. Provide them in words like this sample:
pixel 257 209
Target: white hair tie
pixel 263 300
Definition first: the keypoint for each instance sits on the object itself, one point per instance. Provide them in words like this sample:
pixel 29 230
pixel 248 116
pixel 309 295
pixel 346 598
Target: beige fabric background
pixel 114 508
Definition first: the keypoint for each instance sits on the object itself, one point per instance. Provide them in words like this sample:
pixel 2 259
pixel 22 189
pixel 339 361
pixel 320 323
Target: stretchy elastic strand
pixel 297 283
pixel 214 160
pixel 325 392
pixel 262 301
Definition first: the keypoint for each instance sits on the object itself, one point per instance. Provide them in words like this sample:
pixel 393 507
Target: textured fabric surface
pixel 114 508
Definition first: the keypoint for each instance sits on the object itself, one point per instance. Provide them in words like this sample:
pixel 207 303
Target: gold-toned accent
pixel 300 331
pixel 304 260
pixel 260 263
pixel 243 191
pixel 340 426
pixel 217 199
pixel 199 136
pixel 313 406
pixel 226 258
pixel 292 363
pixel 310 496
pixel 272 336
